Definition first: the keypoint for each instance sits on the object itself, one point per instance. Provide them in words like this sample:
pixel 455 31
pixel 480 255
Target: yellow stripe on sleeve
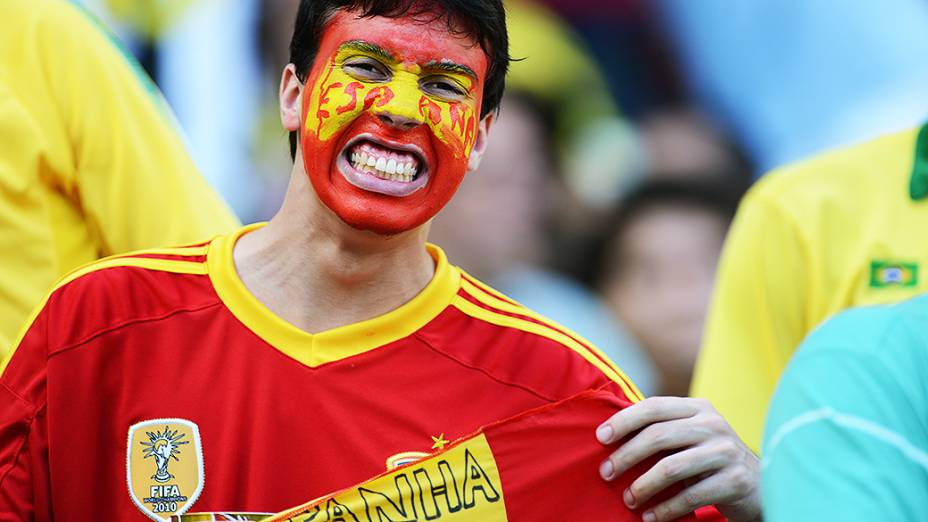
pixel 476 283
pixel 175 266
pixel 193 251
pixel 506 306
pixel 488 316
pixel 161 265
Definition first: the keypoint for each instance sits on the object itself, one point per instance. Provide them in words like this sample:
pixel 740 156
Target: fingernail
pixel 649 517
pixel 606 470
pixel 629 498
pixel 604 434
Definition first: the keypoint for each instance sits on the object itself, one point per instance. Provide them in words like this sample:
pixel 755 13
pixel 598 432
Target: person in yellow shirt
pixel 839 230
pixel 91 163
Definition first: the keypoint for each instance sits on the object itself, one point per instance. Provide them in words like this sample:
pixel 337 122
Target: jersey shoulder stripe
pixel 507 321
pixel 487 289
pixel 175 266
pixel 475 307
pixel 182 252
pixel 496 300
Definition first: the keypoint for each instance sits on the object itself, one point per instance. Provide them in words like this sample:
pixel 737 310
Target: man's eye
pixel 442 88
pixel 366 69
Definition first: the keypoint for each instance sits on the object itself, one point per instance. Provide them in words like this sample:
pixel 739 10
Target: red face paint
pixel 419 109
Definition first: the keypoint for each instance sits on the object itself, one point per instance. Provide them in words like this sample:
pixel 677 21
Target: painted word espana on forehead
pixel 341 98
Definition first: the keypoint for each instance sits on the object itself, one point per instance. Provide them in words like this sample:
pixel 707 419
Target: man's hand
pixel 705 453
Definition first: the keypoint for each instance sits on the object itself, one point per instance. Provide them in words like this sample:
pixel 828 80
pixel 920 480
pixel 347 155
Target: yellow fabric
pixel 800 250
pixel 338 343
pixel 148 17
pixel 90 161
pixel 554 67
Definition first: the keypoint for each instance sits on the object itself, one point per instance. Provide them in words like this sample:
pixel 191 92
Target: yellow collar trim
pixel 338 343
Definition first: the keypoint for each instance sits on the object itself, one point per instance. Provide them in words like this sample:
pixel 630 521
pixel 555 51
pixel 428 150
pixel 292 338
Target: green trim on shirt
pixel 918 186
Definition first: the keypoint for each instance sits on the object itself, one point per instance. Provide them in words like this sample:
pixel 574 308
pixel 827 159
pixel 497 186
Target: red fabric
pixel 709 514
pixel 547 460
pixel 124 345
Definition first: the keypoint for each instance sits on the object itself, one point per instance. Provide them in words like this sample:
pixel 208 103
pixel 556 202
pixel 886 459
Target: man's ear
pixel 291 90
pixel 480 144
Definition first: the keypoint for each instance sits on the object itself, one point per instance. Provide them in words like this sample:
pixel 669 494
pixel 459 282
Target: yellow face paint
pixel 339 97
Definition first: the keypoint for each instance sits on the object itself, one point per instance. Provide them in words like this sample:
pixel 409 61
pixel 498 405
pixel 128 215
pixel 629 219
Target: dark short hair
pixel 713 194
pixel 484 21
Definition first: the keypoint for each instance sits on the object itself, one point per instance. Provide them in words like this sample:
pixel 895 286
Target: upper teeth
pixel 384 167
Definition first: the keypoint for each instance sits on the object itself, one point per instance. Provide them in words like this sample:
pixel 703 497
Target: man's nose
pixel 398 121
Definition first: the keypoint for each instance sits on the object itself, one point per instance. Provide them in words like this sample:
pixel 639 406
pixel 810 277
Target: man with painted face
pixel 295 358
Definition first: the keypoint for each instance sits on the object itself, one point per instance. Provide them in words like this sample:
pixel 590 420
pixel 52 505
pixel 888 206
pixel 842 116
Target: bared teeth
pixel 385 164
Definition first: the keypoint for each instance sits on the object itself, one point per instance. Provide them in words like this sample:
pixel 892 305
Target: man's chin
pixel 382 226
pixel 374 212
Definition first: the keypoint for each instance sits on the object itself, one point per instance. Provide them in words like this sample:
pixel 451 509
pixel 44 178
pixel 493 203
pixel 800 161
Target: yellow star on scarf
pixel 439 441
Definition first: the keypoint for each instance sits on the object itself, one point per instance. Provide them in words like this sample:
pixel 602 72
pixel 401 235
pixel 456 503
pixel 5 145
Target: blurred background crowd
pixel 629 133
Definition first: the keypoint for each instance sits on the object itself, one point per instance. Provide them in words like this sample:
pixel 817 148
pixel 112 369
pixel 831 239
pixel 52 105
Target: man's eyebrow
pixel 451 67
pixel 370 48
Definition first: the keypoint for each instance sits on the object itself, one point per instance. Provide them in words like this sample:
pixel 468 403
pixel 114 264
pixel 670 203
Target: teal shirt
pixel 847 432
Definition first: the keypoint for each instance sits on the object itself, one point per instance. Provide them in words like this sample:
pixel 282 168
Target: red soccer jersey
pixel 156 383
pixel 537 466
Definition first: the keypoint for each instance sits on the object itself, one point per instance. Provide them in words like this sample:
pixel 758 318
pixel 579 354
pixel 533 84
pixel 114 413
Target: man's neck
pixel 317 273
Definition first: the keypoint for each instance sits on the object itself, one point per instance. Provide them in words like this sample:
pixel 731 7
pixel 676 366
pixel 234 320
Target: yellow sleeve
pixel 755 320
pixel 133 178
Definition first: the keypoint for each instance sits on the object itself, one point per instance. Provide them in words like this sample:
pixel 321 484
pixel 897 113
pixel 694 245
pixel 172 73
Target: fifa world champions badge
pixel 164 467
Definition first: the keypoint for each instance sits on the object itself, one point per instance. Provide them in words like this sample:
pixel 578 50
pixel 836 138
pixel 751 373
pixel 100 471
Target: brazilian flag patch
pixel 884 274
